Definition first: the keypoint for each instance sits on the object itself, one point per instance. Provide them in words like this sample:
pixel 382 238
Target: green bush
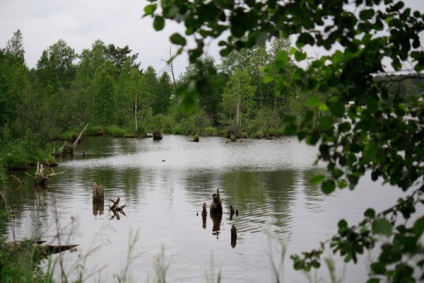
pixel 210 131
pixel 178 130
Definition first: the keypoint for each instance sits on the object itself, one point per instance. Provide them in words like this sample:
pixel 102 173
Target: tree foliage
pixel 381 132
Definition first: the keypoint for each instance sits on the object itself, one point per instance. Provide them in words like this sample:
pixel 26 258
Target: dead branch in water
pixel 116 209
pixel 20 183
pixel 40 178
pixel 76 142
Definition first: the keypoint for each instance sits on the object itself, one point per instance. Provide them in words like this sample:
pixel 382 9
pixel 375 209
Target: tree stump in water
pixel 195 138
pixel 98 199
pixel 98 192
pixel 216 205
pixel 157 136
pixel 233 236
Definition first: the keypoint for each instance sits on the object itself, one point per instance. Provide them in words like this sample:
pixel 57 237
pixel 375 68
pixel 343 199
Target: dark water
pixel 164 185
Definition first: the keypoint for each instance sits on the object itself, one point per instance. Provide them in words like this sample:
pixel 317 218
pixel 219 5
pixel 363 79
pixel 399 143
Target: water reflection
pixel 216 227
pixel 266 181
pixel 98 207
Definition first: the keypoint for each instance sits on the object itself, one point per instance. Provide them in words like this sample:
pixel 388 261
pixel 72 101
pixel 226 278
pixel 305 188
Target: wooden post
pixel 233 236
pixel 98 199
pixel 98 193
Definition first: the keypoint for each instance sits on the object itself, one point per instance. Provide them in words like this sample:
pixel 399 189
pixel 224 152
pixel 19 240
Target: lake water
pixel 164 185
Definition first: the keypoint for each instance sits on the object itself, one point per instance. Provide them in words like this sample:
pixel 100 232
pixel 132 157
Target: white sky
pixel 81 22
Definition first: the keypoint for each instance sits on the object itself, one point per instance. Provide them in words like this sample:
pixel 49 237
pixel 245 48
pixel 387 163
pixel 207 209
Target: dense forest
pixel 105 87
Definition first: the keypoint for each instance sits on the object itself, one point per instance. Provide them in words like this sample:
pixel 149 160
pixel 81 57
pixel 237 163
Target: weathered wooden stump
pixel 233 236
pixel 98 192
pixel 157 136
pixel 98 199
pixel 216 205
pixel 204 212
pixel 195 138
pixel 232 211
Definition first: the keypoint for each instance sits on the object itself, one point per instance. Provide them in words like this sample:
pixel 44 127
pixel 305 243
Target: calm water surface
pixel 164 185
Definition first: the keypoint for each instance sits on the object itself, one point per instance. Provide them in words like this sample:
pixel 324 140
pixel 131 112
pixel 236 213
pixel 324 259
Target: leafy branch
pixel 353 240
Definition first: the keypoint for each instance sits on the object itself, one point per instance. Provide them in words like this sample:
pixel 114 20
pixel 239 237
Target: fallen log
pixel 76 142
pixel 36 248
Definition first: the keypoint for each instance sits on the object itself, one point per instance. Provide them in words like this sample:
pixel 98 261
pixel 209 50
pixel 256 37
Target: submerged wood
pixel 40 178
pixel 37 248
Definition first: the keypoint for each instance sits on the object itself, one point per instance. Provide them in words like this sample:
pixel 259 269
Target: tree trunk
pixel 238 123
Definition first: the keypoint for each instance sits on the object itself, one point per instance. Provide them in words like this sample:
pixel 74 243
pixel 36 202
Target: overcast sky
pixel 81 22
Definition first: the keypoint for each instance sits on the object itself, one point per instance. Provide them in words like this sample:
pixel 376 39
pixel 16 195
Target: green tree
pixel 210 99
pixel 237 99
pixel 162 99
pixel 104 97
pixel 15 47
pixel 381 133
pixel 56 66
pixel 14 84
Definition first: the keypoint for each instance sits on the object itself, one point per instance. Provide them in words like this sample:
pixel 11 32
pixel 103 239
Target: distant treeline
pixel 106 87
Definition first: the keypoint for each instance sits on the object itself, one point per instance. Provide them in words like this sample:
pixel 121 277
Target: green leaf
pixel 325 122
pixel 149 9
pixel 159 23
pixel 313 101
pixel 342 184
pixel 342 224
pixel 328 186
pixel 419 227
pixel 281 59
pixel 344 127
pixel 370 213
pixel 225 51
pixel 300 56
pixel 372 104
pixel 268 79
pixel 177 39
pixel 370 152
pixel 316 180
pixel 366 14
pixel 305 38
pixel 337 108
pixel 382 226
